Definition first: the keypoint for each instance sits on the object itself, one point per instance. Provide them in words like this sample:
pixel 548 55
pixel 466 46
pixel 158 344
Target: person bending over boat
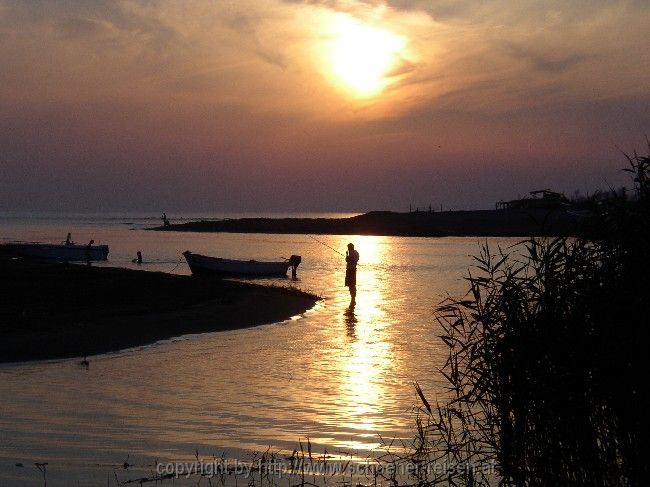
pixel 351 260
pixel 88 250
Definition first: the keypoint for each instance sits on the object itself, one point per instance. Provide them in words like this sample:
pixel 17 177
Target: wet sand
pixel 52 311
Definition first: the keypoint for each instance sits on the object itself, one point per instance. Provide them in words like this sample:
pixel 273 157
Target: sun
pixel 361 57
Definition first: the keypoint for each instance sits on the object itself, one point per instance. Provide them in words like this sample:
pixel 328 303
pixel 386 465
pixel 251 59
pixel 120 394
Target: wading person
pixel 88 251
pixel 351 260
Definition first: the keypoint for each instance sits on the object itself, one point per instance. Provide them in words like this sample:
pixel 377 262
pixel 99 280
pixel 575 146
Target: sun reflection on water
pixel 366 354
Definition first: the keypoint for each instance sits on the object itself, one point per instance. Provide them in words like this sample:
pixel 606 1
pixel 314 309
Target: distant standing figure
pixel 351 260
pixel 138 259
pixel 68 239
pixel 165 220
pixel 294 262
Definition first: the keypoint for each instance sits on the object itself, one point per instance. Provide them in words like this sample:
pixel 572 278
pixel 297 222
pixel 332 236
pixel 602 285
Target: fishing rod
pixel 323 243
pixel 331 248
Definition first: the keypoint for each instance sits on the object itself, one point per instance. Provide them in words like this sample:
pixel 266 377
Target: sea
pixel 333 381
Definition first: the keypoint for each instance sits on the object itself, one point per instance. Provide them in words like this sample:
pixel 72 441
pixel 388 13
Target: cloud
pixel 240 90
pixel 77 28
pixel 537 52
pixel 246 25
pixel 545 61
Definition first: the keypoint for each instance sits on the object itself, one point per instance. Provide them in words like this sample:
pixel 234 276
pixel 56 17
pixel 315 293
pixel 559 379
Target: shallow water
pixel 337 377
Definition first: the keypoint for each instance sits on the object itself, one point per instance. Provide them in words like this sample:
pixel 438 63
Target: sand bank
pixel 517 223
pixel 53 311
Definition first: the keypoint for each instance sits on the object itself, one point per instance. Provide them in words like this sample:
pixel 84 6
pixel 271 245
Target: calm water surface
pixel 337 377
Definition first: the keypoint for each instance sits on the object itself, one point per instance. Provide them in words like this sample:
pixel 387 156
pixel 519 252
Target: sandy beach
pixel 53 311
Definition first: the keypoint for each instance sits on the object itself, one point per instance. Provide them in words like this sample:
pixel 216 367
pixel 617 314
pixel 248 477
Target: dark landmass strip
pixel 51 311
pixel 497 223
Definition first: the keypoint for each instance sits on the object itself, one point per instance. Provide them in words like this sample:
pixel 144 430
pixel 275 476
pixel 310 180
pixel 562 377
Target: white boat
pixel 204 265
pixel 61 252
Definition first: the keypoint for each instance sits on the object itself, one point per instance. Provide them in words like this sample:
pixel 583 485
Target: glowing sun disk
pixel 361 56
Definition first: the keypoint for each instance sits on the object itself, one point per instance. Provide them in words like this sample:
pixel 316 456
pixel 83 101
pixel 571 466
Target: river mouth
pixel 342 377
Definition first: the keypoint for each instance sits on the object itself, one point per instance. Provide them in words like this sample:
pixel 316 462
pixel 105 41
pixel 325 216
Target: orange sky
pixel 315 105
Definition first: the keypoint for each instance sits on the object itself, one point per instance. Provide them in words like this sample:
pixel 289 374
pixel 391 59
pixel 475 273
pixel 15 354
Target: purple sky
pixel 316 105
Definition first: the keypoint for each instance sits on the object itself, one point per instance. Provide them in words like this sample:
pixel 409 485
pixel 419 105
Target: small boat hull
pixel 61 252
pixel 204 265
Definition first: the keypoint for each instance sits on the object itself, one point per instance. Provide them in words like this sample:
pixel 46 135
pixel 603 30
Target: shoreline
pixel 476 223
pixel 57 311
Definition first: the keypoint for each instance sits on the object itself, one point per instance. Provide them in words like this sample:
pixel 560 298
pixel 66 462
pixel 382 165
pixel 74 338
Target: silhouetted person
pixel 351 260
pixel 138 259
pixel 165 220
pixel 68 239
pixel 294 262
pixel 88 250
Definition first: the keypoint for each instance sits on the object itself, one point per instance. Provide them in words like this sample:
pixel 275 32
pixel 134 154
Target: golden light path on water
pixel 368 354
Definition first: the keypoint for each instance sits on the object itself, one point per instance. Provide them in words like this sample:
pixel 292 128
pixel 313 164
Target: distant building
pixel 541 199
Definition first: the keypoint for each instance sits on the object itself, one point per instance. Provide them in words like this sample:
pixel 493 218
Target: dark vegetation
pixel 546 359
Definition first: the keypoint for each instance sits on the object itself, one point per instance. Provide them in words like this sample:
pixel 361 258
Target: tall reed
pixel 546 359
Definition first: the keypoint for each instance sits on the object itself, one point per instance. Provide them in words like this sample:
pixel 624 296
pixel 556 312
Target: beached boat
pixel 204 265
pixel 61 252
